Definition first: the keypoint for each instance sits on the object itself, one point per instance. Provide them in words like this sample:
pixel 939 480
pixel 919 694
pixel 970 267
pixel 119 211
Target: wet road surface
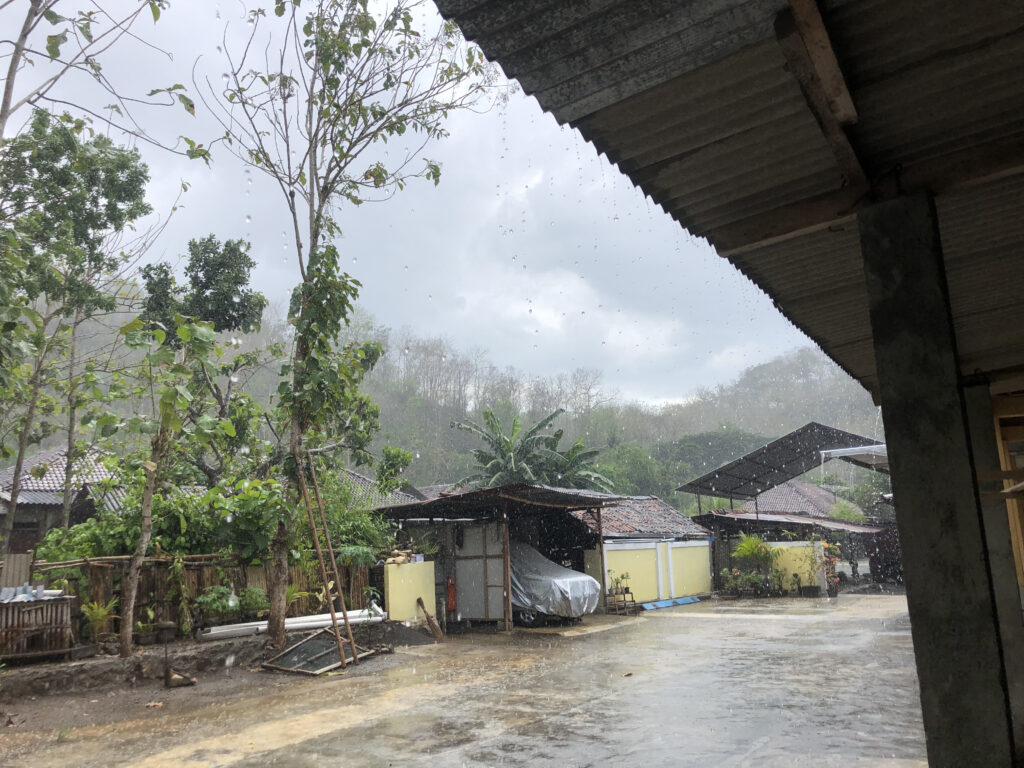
pixel 781 682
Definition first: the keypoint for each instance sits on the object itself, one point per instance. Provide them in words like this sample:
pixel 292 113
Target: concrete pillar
pixel 950 588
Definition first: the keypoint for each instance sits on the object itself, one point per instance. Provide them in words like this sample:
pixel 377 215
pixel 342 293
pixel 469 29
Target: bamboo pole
pixel 304 490
pixel 334 563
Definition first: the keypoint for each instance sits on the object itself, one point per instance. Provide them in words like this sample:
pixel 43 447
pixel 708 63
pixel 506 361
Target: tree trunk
pixel 280 546
pixel 130 586
pixel 15 64
pixel 278 586
pixel 72 411
pixel 19 462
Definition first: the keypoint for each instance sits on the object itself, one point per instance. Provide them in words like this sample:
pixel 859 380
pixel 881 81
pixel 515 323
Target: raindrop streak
pixel 248 219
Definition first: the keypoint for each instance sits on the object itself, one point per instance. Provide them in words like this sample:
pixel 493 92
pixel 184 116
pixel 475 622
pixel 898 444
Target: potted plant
pixel 145 631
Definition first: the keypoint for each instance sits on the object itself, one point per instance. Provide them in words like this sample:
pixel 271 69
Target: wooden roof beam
pixel 804 42
pixel 819 47
pixel 981 162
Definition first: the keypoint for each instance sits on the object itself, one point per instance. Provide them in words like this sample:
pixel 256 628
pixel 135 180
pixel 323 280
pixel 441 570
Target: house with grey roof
pixel 41 496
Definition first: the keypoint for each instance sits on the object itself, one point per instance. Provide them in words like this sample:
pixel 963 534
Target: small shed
pixel 474 530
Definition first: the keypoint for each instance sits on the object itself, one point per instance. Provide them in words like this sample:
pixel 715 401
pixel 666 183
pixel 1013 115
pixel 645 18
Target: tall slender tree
pixel 339 112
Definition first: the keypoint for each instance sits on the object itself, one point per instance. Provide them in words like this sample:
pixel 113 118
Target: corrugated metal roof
pixel 780 460
pixel 485 502
pixel 800 520
pixel 695 103
pixel 643 516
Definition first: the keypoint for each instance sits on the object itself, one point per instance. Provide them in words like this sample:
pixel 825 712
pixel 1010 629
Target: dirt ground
pixel 773 682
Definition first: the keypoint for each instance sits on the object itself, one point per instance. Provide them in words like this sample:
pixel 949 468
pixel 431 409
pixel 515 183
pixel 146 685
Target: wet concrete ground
pixel 781 683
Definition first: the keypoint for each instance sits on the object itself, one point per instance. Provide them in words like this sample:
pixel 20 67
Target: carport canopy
pixel 488 503
pixel 780 460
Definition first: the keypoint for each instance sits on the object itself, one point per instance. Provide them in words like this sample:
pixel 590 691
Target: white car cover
pixel 546 587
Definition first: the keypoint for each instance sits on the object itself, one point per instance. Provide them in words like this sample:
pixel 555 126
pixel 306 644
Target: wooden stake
pixel 507 560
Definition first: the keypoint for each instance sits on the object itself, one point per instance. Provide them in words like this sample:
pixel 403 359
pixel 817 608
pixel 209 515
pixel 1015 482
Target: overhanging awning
pixel 874 457
pixel 486 503
pixel 781 460
pixel 746 519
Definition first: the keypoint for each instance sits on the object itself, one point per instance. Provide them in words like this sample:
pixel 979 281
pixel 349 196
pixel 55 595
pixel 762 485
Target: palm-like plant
pixel 529 457
pixel 505 459
pixel 572 468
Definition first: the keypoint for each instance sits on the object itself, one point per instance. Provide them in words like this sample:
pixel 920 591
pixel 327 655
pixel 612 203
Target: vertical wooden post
pixel 600 543
pixel 507 561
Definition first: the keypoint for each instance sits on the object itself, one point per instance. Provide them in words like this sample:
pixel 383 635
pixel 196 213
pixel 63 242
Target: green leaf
pixel 184 333
pixel 154 8
pixel 190 106
pixel 53 17
pixel 54 42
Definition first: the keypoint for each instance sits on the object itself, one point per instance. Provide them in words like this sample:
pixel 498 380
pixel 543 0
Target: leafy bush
pixel 755 555
pixel 844 510
pixel 217 602
pixel 253 601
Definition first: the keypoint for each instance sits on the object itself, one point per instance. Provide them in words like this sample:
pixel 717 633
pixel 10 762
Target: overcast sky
pixel 532 247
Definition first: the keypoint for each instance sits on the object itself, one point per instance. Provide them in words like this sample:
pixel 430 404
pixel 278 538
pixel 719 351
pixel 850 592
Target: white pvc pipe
pixel 372 615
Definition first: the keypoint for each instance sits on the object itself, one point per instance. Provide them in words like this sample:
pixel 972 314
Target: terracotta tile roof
pixel 796 497
pixel 44 472
pixel 637 516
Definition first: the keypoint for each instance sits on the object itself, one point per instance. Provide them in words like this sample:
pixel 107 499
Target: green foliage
pixel 356 532
pixel 253 601
pixel 754 554
pixel 844 510
pixel 239 519
pixel 217 289
pixel 98 615
pixel 529 457
pixel 217 603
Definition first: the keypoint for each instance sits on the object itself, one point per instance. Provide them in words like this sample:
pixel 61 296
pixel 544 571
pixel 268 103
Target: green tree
pixel 344 80
pixel 518 457
pixel 530 456
pixel 163 376
pixel 217 290
pixel 62 201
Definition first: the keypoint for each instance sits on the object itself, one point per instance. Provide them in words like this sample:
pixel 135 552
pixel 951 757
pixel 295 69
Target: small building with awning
pixel 665 553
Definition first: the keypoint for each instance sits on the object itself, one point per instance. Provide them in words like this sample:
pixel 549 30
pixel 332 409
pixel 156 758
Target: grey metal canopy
pixel 484 503
pixel 781 460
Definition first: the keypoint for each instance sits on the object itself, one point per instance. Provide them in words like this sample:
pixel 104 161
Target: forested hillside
pixel 422 385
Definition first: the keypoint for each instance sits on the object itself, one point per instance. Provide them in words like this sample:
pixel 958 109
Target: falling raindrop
pixel 236 298
pixel 225 77
pixel 248 219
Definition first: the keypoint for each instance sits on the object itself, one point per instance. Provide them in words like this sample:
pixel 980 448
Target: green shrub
pixel 253 601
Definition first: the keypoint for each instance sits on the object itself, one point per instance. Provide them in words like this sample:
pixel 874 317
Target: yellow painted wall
pixel 403 584
pixel 641 565
pixel 691 570
pixel 796 558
